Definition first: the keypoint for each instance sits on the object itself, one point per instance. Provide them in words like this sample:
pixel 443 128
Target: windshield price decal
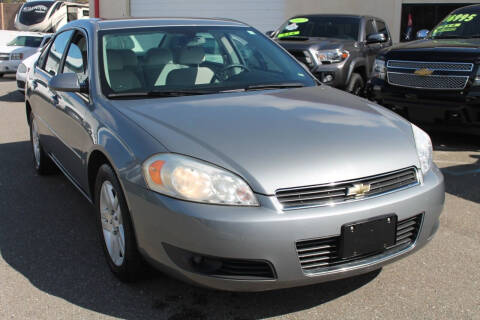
pixel 299 20
pixel 461 17
pixel 288 34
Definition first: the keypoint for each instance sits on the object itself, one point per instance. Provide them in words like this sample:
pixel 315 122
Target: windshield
pixel 460 24
pixel 34 12
pixel 180 59
pixel 321 26
pixel 26 41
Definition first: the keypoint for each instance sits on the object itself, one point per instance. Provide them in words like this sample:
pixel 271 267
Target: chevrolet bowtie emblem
pixel 424 72
pixel 358 190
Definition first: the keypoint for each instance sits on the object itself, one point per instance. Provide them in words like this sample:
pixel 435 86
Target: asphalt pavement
pixel 52 265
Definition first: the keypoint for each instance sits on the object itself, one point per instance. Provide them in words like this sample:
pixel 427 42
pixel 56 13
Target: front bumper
pixel 267 233
pixel 338 71
pixel 433 109
pixel 9 66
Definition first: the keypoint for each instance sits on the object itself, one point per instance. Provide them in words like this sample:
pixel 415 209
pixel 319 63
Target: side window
pixel 369 28
pixel 56 52
pixel 382 28
pixel 43 57
pixel 76 58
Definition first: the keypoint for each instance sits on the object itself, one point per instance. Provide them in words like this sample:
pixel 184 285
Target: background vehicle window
pixel 321 26
pixel 369 28
pixel 56 52
pixel 26 41
pixel 382 28
pixel 76 59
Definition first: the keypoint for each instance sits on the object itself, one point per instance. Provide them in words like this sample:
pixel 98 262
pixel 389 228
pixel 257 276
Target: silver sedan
pixel 211 154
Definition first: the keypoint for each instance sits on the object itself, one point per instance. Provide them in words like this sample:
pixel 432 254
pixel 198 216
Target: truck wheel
pixel 115 227
pixel 356 85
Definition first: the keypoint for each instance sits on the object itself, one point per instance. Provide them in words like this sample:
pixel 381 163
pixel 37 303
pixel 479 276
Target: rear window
pixel 34 12
pixel 26 41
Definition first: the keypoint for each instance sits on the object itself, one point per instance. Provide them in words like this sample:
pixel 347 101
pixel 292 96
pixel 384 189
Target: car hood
pixel 444 50
pixel 314 43
pixel 280 138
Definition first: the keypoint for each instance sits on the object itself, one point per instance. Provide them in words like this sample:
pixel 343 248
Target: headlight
pixel 424 148
pixel 17 56
pixel 189 179
pixel 330 56
pixel 379 69
pixel 22 68
pixel 477 78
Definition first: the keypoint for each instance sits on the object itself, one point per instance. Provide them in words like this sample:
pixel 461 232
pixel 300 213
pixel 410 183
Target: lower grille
pixel 436 82
pixel 317 254
pixel 302 197
pixel 21 84
pixel 243 268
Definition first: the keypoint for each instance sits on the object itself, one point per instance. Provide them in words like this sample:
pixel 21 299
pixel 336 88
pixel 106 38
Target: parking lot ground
pixel 52 265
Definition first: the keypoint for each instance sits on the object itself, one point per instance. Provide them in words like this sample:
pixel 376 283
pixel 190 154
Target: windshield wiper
pixel 274 86
pixel 160 94
pixel 301 38
pixel 452 36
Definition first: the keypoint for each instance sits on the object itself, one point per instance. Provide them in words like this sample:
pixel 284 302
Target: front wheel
pixel 41 162
pixel 115 227
pixel 356 85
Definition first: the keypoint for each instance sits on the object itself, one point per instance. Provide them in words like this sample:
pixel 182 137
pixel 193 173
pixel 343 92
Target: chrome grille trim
pixel 435 66
pixel 434 82
pixel 315 261
pixel 336 193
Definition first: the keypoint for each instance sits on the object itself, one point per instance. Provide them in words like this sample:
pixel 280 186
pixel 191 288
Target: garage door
pixel 262 14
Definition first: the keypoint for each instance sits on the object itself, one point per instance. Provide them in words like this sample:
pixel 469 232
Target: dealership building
pixel 270 14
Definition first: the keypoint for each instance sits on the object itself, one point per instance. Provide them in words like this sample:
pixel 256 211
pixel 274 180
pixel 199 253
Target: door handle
pixel 55 100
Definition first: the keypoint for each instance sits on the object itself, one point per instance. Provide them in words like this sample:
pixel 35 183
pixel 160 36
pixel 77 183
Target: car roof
pixel 342 15
pixel 106 24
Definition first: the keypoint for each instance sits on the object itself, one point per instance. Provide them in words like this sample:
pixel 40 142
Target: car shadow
pixel 48 235
pixel 461 179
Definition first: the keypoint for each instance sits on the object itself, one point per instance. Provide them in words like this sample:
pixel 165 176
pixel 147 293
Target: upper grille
pixel 318 254
pixel 319 195
pixel 411 80
pixel 436 66
pixel 302 56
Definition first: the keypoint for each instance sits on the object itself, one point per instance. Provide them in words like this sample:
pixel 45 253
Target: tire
pixel 41 161
pixel 1 75
pixel 356 85
pixel 115 227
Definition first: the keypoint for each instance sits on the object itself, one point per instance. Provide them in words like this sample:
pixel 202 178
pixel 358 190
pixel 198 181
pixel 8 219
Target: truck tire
pixel 356 85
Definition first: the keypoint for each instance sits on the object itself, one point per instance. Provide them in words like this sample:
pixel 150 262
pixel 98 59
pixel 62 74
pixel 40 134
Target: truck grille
pixel 302 56
pixel 443 75
pixel 411 80
pixel 317 254
pixel 4 56
pixel 311 196
pixel 437 66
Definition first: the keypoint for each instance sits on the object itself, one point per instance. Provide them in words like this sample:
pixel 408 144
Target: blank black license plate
pixel 367 237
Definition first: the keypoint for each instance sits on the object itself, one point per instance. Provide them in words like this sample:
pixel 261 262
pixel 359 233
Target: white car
pixel 24 69
pixel 21 47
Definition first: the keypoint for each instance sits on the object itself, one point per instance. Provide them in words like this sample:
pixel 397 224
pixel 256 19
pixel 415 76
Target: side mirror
pixel 66 82
pixel 376 38
pixel 422 34
pixel 270 33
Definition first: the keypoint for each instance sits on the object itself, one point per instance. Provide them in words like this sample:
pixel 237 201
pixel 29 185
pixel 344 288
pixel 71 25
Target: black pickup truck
pixel 434 82
pixel 338 49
